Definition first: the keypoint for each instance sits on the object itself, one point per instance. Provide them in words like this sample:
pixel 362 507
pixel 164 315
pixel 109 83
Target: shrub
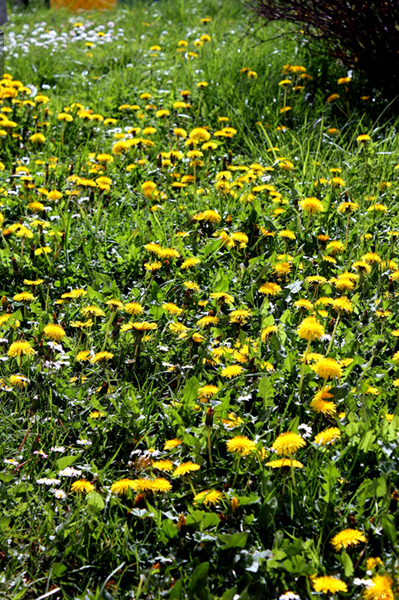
pixel 364 34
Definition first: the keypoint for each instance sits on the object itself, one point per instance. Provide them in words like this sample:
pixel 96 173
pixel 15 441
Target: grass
pixel 186 380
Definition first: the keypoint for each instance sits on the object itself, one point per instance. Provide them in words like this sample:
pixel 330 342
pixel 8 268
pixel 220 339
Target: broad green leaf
pixel 235 540
pixel 176 591
pixel 229 594
pixel 388 525
pixel 95 500
pixel 190 392
pixel 199 578
pixel 347 564
pixel 65 461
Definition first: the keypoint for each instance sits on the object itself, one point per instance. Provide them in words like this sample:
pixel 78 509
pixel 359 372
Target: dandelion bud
pixel 209 417
pixel 182 526
pixel 235 503
pixel 14 264
pixel 379 344
pixel 365 318
pixel 4 303
pixel 159 161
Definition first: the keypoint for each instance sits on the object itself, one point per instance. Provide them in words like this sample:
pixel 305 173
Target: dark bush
pixel 364 34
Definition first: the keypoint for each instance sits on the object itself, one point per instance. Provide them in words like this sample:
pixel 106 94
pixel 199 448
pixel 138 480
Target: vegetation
pixel 364 35
pixel 199 340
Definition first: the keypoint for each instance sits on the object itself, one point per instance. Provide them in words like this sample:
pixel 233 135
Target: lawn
pixel 199 382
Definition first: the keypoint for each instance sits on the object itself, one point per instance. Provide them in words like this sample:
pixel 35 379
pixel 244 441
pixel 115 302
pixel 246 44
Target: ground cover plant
pixel 199 337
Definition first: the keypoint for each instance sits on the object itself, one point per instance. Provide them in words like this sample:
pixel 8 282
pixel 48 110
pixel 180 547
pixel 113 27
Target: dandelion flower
pixel 208 497
pixel 329 585
pixel 184 468
pixel 328 368
pixel 24 297
pixel 232 371
pixel 270 289
pixel 160 485
pixel 239 316
pixel 322 405
pixel 190 262
pixel 311 205
pixel 207 391
pixel 134 308
pixel 267 332
pixel 171 444
pixel 208 320
pixel 122 486
pixel 241 445
pixel 328 435
pixel 21 348
pixel 54 332
pixel 381 588
pixel 92 311
pixel 222 297
pixel 284 462
pixel 163 465
pixel 347 537
pixel 287 443
pixel 101 357
pixel 310 329
pixel 19 381
pixel 82 485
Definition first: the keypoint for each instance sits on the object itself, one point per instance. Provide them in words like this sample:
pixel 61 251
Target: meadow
pixel 199 342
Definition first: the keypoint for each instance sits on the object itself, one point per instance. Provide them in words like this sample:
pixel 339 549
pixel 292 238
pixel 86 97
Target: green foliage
pixel 149 472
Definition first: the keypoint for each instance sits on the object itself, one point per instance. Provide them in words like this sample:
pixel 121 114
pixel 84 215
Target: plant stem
pixel 303 366
pixel 333 333
pixel 238 466
pixel 209 445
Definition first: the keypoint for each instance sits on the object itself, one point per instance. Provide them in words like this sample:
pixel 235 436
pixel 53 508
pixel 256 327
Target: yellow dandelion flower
pixel 347 537
pixel 184 468
pixel 160 485
pixel 311 206
pixel 284 462
pixel 24 297
pixel 267 332
pixel 328 435
pixel 241 445
pixel 381 588
pixel 232 371
pixel 21 348
pixel 92 311
pixel 329 585
pixel 270 289
pixel 54 332
pixel 171 444
pixel 134 308
pixel 310 329
pixel 208 320
pixel 212 497
pixel 122 486
pixel 207 391
pixel 163 465
pixel 82 485
pixel 328 368
pixel 101 357
pixel 287 443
